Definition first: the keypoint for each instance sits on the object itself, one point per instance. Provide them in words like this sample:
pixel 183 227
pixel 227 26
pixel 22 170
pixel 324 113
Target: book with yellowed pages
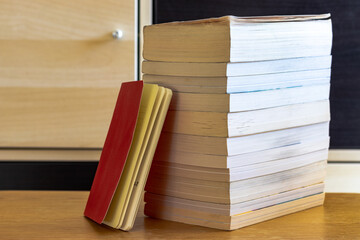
pixel 239 207
pixel 242 172
pixel 236 69
pixel 234 192
pixel 231 146
pixel 305 145
pixel 239 39
pixel 159 209
pixel 127 154
pixel 237 102
pixel 235 124
pixel 240 84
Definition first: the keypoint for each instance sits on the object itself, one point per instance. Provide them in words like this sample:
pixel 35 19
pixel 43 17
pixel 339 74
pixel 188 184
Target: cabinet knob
pixel 117 34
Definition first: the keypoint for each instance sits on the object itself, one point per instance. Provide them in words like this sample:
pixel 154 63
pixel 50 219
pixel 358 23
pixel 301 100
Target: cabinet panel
pixel 65 63
pixel 61 70
pixel 63 155
pixel 55 117
pixel 65 20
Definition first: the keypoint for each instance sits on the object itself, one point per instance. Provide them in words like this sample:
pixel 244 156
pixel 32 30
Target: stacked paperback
pixel 247 134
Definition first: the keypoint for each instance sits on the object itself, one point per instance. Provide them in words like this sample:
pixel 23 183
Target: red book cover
pixel 115 150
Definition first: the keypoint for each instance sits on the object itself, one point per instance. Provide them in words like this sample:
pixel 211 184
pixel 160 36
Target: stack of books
pixel 246 138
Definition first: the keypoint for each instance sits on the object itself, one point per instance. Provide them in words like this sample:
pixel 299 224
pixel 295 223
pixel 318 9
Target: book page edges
pixel 256 19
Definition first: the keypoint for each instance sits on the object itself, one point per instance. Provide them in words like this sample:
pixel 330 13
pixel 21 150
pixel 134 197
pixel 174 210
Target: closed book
pixel 236 69
pixel 125 160
pixel 238 173
pixel 226 192
pixel 240 145
pixel 235 208
pixel 239 39
pixel 237 102
pixel 236 124
pixel 241 84
pixel 196 217
pixel 223 161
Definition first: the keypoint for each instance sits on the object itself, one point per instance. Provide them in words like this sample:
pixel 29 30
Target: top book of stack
pixel 239 39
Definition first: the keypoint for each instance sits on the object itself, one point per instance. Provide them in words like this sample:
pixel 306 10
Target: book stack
pixel 246 138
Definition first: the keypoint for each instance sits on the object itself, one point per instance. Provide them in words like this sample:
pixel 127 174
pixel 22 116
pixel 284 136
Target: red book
pixel 115 151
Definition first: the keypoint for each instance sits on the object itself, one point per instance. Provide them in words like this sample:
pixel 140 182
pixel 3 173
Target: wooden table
pixel 59 215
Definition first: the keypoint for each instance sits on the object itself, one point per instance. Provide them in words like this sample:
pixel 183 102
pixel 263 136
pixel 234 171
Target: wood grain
pixel 40 215
pixel 66 43
pixel 65 20
pixel 69 155
pixel 55 117
pixel 102 63
pixel 61 70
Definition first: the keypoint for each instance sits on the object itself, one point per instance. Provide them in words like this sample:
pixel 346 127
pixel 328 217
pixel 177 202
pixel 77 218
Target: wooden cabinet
pixel 61 69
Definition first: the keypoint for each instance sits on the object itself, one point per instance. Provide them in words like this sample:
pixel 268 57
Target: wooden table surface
pixel 59 215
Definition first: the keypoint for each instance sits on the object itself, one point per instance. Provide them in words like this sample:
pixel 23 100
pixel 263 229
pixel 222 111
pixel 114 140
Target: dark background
pixel 345 89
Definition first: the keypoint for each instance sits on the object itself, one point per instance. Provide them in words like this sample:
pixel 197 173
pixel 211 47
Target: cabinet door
pixel 61 69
